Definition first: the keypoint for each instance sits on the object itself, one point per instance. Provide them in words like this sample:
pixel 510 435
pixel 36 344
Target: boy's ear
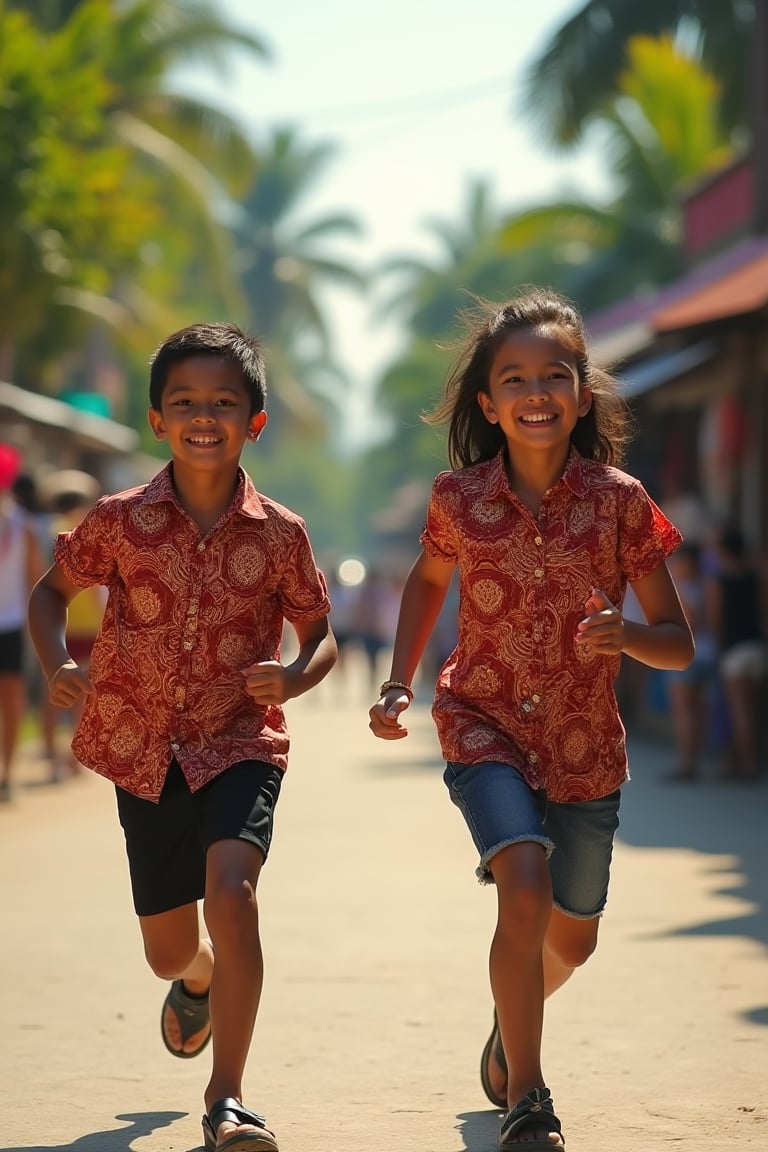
pixel 156 423
pixel 257 425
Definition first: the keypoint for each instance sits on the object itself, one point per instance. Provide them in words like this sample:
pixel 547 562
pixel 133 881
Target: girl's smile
pixel 534 393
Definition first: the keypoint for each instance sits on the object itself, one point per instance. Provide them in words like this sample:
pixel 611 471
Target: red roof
pixel 737 293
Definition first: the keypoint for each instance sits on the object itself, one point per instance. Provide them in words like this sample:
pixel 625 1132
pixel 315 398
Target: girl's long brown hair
pixel 602 434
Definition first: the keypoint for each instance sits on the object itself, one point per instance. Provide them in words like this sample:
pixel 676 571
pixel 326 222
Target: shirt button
pixel 536 698
pixel 533 758
pixel 179 707
pixel 538 572
pixel 527 706
pixel 538 540
pixel 201 547
pixel 175 747
pixel 187 645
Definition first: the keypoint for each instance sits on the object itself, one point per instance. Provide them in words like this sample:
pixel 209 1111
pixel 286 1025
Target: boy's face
pixel 205 413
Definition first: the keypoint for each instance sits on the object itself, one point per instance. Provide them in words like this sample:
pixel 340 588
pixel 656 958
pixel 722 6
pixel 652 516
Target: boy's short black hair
pixel 216 339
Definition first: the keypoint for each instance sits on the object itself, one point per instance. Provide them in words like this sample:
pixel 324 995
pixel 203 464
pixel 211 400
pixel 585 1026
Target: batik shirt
pixel 518 689
pixel 186 616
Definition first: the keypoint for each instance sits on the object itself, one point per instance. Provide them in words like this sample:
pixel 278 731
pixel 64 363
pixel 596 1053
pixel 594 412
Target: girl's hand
pixel 68 684
pixel 385 715
pixel 267 683
pixel 602 628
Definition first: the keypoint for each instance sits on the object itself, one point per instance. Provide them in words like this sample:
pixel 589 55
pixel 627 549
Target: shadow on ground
pixel 479 1130
pixel 113 1140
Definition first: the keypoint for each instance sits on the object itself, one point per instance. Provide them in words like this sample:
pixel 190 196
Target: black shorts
pixel 12 652
pixel 167 842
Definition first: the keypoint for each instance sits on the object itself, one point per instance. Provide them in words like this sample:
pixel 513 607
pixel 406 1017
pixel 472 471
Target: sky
pixel 420 98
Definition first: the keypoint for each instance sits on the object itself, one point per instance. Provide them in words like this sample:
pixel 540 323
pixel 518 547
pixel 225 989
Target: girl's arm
pixel 664 641
pixel 423 596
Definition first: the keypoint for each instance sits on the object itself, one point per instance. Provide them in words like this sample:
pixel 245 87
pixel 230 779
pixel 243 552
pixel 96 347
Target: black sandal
pixel 535 1110
pixel 192 1013
pixel 233 1111
pixel 493 1045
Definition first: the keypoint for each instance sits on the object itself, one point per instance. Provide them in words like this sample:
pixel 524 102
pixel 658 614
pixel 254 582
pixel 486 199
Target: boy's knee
pixel 169 961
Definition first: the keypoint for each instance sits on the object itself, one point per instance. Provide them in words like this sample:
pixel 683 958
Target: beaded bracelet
pixel 388 685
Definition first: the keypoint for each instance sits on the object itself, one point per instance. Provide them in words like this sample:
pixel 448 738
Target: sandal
pixel 192 1013
pixel 493 1045
pixel 232 1111
pixel 535 1110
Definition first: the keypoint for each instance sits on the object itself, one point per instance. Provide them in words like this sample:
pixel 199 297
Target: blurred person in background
pixel 20 567
pixel 689 691
pixel 736 597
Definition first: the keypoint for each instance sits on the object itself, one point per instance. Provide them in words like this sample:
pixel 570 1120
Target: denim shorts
pixel 166 843
pixel 501 809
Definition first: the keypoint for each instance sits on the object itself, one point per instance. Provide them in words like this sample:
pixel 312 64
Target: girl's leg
pixel 175 951
pixel 568 944
pixel 231 915
pixel 516 968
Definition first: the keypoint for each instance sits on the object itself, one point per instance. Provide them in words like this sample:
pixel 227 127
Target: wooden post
pixel 759 116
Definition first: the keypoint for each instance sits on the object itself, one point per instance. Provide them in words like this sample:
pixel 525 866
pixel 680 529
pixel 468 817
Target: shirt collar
pixel 246 500
pixel 575 474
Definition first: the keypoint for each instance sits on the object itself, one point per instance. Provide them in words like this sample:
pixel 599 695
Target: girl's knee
pixel 572 941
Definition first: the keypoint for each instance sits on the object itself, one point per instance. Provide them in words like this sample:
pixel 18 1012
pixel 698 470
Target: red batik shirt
pixel 185 617
pixel 518 689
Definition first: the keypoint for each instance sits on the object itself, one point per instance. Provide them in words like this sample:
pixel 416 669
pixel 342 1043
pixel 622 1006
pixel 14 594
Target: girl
pixel 545 532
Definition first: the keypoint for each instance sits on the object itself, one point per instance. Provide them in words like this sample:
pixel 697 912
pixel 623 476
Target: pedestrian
pixel 690 690
pixel 184 693
pixel 737 606
pixel 20 567
pixel 545 532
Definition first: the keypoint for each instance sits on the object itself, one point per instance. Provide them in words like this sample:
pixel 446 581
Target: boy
pixel 182 698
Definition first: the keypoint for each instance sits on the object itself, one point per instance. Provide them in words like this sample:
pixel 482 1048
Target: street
pixel 376 1003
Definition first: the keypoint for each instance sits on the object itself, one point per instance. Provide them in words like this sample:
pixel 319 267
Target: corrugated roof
pixel 737 293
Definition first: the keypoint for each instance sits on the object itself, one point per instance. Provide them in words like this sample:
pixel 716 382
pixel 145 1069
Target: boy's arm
pixel 423 596
pixel 271 682
pixel 47 626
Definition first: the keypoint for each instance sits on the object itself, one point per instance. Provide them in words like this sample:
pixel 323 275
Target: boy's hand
pixel 385 715
pixel 602 628
pixel 267 683
pixel 68 684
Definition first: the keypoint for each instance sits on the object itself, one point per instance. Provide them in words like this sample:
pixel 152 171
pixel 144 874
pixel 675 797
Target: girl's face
pixel 534 394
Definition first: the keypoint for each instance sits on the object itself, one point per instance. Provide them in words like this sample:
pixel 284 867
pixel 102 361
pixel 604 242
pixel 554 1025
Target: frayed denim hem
pixel 483 872
pixel 578 915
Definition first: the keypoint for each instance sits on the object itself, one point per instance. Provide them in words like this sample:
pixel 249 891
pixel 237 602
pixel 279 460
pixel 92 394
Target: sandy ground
pixel 376 1003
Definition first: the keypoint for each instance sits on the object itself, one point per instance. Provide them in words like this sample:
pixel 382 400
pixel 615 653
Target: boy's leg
pixel 175 951
pixel 231 915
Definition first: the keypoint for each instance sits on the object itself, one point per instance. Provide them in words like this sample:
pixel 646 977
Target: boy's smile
pixel 205 412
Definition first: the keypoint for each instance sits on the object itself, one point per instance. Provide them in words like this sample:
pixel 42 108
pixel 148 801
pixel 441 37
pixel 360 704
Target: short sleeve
pixel 303 592
pixel 438 537
pixel 87 553
pixel 646 536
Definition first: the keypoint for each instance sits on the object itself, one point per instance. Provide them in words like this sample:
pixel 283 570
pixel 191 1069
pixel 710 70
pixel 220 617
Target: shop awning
pixel 737 293
pixel 96 433
pixel 666 366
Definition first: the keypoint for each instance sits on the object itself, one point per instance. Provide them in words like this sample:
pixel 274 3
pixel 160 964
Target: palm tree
pixel 661 133
pixel 430 293
pixel 283 262
pixel 577 70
